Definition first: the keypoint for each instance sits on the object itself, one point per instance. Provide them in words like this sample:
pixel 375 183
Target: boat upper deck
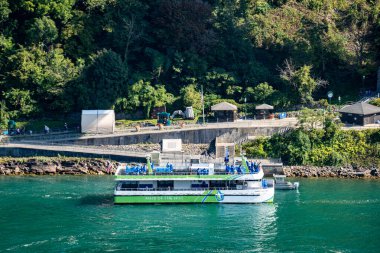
pixel 184 175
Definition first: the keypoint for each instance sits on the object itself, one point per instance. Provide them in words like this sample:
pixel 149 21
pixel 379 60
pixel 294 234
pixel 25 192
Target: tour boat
pixel 148 184
pixel 281 184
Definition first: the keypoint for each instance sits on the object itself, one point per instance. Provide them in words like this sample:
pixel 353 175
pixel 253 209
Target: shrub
pixel 375 102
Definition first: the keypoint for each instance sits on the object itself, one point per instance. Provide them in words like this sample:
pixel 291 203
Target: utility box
pixel 172 145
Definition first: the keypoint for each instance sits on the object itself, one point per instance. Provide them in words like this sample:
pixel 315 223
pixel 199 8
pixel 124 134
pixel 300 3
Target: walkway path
pixel 76 149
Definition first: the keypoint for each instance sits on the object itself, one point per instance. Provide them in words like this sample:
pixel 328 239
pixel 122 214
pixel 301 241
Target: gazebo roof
pixel 264 107
pixel 360 108
pixel 224 106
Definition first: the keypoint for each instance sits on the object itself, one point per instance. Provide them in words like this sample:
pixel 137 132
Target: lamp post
pixel 330 94
pixel 245 108
pixel 203 105
pixel 363 81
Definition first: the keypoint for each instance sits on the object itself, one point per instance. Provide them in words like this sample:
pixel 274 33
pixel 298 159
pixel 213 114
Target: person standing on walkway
pixel 46 129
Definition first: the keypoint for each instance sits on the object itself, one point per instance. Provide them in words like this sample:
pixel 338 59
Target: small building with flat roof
pixel 360 114
pixel 263 111
pixel 224 112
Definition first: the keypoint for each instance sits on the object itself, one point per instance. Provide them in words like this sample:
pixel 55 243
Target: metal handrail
pixel 188 173
pixel 188 189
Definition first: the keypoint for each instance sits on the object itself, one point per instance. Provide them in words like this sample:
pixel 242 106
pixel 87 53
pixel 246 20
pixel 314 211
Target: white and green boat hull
pixel 207 196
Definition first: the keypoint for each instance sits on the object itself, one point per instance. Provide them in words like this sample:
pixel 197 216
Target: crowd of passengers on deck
pixel 253 167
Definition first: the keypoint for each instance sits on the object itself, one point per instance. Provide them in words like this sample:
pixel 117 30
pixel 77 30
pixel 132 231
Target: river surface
pixel 76 214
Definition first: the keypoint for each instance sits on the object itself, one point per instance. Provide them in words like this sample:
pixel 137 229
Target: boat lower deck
pixel 195 196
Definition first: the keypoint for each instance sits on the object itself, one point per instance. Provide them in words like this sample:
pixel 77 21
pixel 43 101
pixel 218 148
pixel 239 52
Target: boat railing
pixel 182 173
pixel 191 189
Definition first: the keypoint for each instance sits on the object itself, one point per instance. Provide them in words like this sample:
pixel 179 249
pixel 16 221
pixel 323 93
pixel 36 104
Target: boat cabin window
pixel 217 184
pixel 195 161
pixel 199 184
pixel 165 184
pixel 145 186
pixel 231 184
pixel 127 185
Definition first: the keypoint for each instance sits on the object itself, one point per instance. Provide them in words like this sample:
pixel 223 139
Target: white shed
pixel 98 121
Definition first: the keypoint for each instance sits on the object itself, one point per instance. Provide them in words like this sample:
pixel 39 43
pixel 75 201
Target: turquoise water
pixel 76 214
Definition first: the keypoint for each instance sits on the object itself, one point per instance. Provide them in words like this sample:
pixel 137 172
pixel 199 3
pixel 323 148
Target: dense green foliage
pixel 319 141
pixel 67 55
pixel 375 102
pixel 319 147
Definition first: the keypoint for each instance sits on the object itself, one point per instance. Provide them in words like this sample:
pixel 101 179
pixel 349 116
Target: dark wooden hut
pixel 360 114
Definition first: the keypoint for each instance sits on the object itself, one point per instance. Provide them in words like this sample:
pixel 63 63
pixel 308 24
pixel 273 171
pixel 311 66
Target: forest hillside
pixel 63 56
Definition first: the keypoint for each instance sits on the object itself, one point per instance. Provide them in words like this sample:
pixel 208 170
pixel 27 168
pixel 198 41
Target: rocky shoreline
pixel 87 166
pixel 57 167
pixel 330 172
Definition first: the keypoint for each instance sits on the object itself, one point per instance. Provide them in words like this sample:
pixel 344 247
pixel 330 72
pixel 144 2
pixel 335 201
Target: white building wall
pixel 98 121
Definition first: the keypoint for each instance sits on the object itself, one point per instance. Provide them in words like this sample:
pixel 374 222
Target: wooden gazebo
pixel 224 112
pixel 263 111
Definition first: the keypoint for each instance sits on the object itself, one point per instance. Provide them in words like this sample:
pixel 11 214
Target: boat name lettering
pixel 163 198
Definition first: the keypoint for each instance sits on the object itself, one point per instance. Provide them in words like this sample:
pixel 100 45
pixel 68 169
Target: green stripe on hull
pixel 269 200
pixel 206 197
pixel 163 199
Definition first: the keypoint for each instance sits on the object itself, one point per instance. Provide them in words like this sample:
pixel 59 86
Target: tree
pixel 42 30
pixel 19 103
pixel 310 118
pixel 162 97
pixel 191 97
pixel 293 147
pixel 4 10
pixel 143 95
pixel 101 83
pixel 299 147
pixel 4 116
pixel 45 74
pixel 184 25
pixel 220 80
pixel 256 148
pixel 302 81
pixel 261 92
